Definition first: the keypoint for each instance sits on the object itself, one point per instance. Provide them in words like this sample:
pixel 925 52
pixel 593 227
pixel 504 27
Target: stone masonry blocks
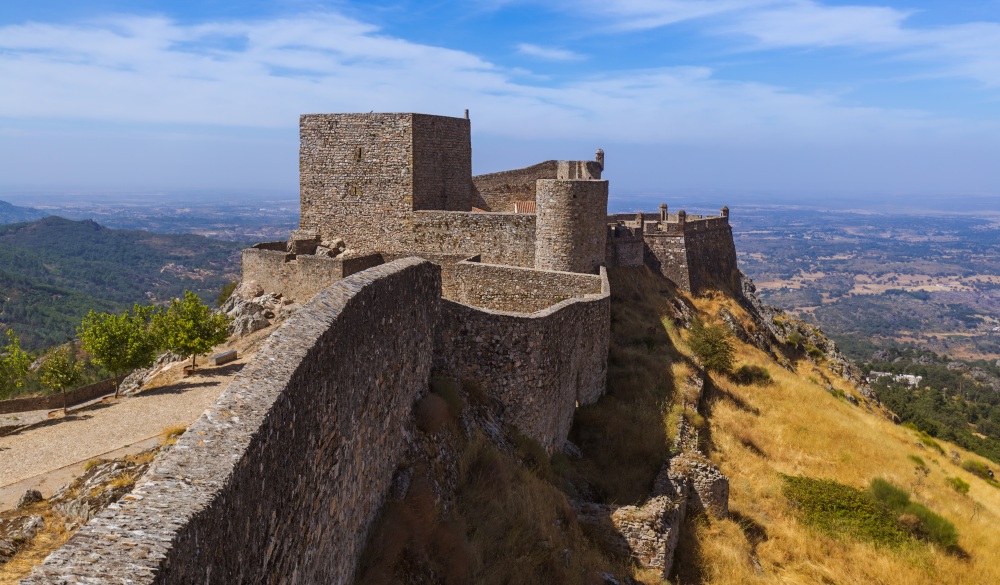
pixel 281 479
pixel 570 231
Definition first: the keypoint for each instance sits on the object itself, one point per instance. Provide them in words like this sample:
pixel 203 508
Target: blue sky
pixel 728 101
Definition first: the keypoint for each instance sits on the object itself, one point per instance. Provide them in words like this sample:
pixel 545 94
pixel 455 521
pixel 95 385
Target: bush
pixel 927 440
pixel 978 469
pixel 712 345
pixel 958 484
pixel 746 375
pixel 839 509
pixel 814 352
pixel 917 518
pixel 918 460
pixel 794 339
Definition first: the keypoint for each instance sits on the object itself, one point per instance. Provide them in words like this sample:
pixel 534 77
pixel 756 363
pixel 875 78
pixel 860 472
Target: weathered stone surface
pixel 652 531
pixel 285 473
pixel 29 497
pixel 16 533
pixel 539 365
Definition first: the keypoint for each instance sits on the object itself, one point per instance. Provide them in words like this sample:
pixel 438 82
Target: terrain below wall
pixel 280 481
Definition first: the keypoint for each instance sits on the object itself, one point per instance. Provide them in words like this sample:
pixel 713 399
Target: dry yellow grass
pixel 48 539
pixel 797 427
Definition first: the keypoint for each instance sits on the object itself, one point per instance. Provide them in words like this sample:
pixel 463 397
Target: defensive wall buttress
pixel 404 267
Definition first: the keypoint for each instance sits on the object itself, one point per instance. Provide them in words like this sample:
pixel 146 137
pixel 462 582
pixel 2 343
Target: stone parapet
pixel 284 475
pixel 507 288
pixel 539 366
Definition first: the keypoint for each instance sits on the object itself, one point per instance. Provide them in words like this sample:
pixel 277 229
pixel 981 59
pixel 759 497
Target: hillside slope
pixel 812 423
pixel 54 270
pixel 13 214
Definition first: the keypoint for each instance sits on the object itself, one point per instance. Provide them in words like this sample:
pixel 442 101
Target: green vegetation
pixel 14 364
pixel 225 293
pixel 53 271
pixel 838 509
pixel 189 327
pixel 120 343
pixel 60 370
pixel 918 460
pixel 917 518
pixel 747 375
pixel 952 396
pixel 883 515
pixel 960 485
pixel 978 469
pixel 713 346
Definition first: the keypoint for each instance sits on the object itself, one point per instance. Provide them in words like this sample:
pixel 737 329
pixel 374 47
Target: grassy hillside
pixel 797 427
pixel 54 270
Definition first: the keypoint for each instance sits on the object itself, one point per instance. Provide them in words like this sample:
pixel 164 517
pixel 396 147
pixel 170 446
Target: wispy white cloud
pixel 970 50
pixel 547 53
pixel 265 73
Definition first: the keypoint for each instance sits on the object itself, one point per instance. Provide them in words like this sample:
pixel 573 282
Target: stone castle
pixel 405 267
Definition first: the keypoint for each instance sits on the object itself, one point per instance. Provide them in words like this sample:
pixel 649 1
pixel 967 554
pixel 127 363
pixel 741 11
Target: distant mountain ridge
pixel 13 214
pixel 54 270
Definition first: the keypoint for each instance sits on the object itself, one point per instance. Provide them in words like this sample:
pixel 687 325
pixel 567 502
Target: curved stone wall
pixel 539 365
pixel 281 479
pixel 570 228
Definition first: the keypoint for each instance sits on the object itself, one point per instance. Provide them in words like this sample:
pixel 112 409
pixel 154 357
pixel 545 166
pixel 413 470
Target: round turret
pixel 570 224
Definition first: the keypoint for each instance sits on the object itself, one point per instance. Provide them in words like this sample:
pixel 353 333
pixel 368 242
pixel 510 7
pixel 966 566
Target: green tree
pixel 120 343
pixel 712 345
pixel 60 370
pixel 189 327
pixel 14 364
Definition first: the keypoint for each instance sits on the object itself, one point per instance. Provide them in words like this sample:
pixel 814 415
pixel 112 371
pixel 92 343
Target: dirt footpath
pixel 54 451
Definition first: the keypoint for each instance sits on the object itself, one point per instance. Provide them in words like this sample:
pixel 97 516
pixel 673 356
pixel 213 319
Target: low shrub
pixel 713 346
pixel 747 375
pixel 839 509
pixel 958 484
pixel 978 469
pixel 918 460
pixel 814 352
pixel 928 441
pixel 917 518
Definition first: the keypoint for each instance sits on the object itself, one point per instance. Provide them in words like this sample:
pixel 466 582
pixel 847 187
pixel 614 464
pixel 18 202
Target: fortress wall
pixel 506 288
pixel 624 247
pixel 537 365
pixel 571 228
pixel 281 479
pixel 499 191
pixel 667 254
pixel 355 177
pixel 501 238
pixel 300 277
pixel 442 163
pixel 711 257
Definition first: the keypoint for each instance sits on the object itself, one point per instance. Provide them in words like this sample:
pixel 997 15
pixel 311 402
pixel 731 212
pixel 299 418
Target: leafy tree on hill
pixel 14 364
pixel 120 343
pixel 60 370
pixel 189 327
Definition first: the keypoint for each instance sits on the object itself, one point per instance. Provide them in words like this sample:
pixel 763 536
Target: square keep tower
pixel 362 175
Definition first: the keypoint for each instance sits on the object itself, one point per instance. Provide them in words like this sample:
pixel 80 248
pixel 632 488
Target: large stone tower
pixel 362 175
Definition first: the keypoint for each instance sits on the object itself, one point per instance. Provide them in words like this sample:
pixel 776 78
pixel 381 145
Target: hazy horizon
pixel 795 100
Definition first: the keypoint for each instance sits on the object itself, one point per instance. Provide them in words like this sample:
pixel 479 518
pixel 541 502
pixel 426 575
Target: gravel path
pixel 100 428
